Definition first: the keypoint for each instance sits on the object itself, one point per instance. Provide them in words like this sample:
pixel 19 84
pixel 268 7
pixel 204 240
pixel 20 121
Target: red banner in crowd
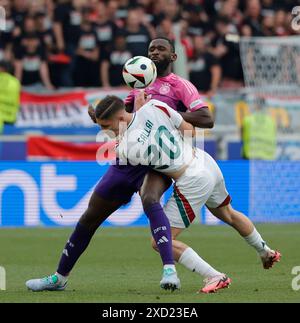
pixel 67 97
pixel 66 110
pixel 53 110
pixel 46 148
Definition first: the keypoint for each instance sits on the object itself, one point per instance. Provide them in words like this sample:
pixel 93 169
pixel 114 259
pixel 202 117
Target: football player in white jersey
pixel 155 136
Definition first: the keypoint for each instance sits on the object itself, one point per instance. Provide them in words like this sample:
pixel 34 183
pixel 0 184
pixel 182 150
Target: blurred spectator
pixel 7 34
pixel 112 8
pixel 268 25
pixel 113 62
pixel 9 95
pixel 105 28
pixel 204 68
pixel 28 28
pixel 146 20
pixel 146 4
pixel 185 39
pixel 259 134
pixel 172 10
pixel 87 53
pixel 67 19
pixel 31 67
pixel 198 22
pixel 137 35
pixel 280 23
pixel 19 11
pixel 43 28
pixel 245 31
pixel 66 28
pixel 35 6
pixel 230 10
pixel 158 12
pixel 124 6
pixel 253 17
pixel 58 24
pixel 225 47
pixel 165 29
pixel 268 8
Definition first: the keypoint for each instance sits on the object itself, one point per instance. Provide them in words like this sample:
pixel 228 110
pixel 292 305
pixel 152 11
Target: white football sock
pixel 192 261
pixel 255 240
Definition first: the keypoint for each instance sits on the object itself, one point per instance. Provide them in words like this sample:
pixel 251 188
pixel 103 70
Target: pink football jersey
pixel 178 93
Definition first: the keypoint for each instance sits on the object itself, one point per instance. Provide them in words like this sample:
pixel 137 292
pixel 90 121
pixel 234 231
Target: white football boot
pixel 51 283
pixel 170 279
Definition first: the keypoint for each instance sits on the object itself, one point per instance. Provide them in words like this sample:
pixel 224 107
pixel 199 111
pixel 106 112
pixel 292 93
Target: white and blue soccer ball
pixel 139 72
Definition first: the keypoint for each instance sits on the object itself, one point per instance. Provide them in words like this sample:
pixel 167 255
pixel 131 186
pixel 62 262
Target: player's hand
pixel 140 100
pixel 91 112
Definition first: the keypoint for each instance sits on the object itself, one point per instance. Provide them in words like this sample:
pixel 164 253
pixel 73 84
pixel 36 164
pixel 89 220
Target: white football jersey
pixel 152 139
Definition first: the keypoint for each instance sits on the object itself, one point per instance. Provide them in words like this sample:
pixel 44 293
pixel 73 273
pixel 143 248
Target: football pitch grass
pixel 119 266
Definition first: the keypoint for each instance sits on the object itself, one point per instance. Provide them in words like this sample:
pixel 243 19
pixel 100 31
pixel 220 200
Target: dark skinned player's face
pixel 160 52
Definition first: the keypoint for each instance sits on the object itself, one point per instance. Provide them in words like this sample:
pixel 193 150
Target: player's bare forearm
pixel 201 118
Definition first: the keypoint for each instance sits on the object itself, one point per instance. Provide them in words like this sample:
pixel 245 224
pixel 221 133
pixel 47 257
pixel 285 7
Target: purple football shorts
pixel 120 182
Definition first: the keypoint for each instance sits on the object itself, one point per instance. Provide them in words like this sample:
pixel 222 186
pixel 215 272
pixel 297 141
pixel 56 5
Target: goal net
pixel 271 67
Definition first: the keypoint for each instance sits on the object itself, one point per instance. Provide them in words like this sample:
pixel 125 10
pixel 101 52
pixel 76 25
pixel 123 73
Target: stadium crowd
pixel 65 43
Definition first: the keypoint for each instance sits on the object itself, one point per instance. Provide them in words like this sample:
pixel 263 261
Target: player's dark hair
pixel 171 42
pixel 108 106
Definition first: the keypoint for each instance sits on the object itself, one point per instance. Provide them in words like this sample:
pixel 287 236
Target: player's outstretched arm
pixel 201 118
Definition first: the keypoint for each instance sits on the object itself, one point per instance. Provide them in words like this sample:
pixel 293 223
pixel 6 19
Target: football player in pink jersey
pixel 178 93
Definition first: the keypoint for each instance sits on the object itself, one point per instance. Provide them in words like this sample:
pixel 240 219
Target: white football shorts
pixel 202 183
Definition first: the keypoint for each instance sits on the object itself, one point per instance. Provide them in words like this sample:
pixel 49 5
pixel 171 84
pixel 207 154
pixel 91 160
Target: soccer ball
pixel 139 72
